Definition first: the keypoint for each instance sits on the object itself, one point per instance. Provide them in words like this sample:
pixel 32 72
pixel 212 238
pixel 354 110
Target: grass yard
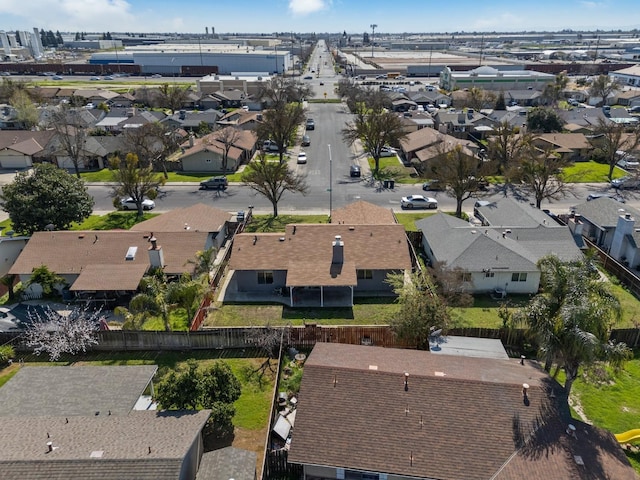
pixel 105 175
pixel 269 223
pixel 252 408
pixel 392 168
pixel 115 220
pixel 611 401
pixel 590 172
pixel 408 220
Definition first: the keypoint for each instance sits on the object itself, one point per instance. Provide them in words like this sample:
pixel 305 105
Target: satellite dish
pixel 49 227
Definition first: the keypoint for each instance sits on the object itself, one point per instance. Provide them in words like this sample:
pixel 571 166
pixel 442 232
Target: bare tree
pixel 228 137
pixel 133 180
pixel 172 96
pixel 610 138
pixel 272 179
pixel 602 86
pixel 152 143
pixel 540 173
pixel 375 127
pixel 55 334
pixel 504 146
pixel 553 91
pixel 26 112
pixel 461 172
pixel 279 124
pixel 281 90
pixel 268 340
pixel 71 134
pixel 479 98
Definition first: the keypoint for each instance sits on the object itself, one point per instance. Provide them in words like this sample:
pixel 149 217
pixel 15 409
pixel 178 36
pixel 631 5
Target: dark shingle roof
pixel 228 463
pixel 459 417
pixel 78 390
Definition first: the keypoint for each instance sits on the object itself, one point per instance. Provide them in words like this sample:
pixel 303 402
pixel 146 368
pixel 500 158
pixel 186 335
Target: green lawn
pixel 590 172
pixel 113 220
pixel 408 220
pixel 391 167
pixel 105 175
pixel 269 223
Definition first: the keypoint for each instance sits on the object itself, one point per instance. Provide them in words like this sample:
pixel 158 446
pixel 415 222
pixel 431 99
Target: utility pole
pixel 373 31
pixel 330 183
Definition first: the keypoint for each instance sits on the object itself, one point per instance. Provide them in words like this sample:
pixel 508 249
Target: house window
pixel 518 277
pixel 356 475
pixel 489 274
pixel 265 277
pixel 464 276
pixel 365 274
pixel 208 160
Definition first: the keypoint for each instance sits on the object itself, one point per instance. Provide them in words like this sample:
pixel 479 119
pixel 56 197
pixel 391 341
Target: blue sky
pixel 354 16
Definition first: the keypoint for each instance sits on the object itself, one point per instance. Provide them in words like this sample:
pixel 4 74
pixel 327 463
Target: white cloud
pixel 70 15
pixel 305 7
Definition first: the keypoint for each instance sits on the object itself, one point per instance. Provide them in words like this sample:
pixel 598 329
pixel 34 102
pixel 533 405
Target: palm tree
pixel 573 316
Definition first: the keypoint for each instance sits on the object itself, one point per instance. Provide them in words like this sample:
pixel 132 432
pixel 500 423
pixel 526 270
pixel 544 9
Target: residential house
pixel 402 104
pixel 430 97
pixel 9 118
pixel 585 117
pixel 523 98
pixel 415 120
pixel 574 147
pixel 377 413
pixel 242 119
pixel 514 116
pixel 109 262
pixel 230 98
pixel 318 264
pixel 22 148
pixel 96 95
pixel 363 213
pixel 464 125
pixel 122 100
pixel 206 154
pixel 427 144
pixel 610 225
pixel 196 218
pixel 95 422
pixel 191 120
pixel 503 252
pixel 629 76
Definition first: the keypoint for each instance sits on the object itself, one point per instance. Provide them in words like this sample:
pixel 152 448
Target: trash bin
pixel 385 183
pixel 240 216
pixel 392 184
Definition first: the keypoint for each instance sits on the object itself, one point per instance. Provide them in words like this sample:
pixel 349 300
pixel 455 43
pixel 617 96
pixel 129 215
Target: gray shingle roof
pixel 228 463
pixel 123 445
pixel 604 212
pixel 78 390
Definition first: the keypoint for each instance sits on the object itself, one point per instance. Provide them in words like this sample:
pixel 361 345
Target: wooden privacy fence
pixel 628 277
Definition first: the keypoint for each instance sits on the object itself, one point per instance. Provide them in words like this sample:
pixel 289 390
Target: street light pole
pixel 373 31
pixel 330 183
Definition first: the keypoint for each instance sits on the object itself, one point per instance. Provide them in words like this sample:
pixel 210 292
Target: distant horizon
pixel 317 16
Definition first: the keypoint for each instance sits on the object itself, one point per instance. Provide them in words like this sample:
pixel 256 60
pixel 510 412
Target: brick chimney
pixel 338 250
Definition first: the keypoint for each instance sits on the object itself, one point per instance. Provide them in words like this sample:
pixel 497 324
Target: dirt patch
pixel 574 402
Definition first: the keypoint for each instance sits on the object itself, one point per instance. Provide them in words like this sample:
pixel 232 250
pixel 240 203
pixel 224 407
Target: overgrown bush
pixel 7 352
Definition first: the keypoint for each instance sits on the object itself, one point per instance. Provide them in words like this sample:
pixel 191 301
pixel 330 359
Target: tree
pixel 542 119
pixel 71 134
pixel 186 293
pixel 375 127
pixel 572 318
pixel 504 147
pixel 421 312
pixel 500 103
pixel 172 97
pixel 461 173
pixel 478 98
pixel 9 87
pixel 601 87
pixel 280 91
pixel 47 279
pixel 228 137
pixel 151 143
pixel 44 197
pixel 539 173
pixel 553 91
pixel 8 281
pixel 280 124
pixel 610 138
pixel 54 334
pixel 133 180
pixel 26 112
pixel 191 388
pixel 272 179
pixel 150 302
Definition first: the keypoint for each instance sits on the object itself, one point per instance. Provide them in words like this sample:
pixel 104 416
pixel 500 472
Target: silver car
pixel 130 204
pixel 419 201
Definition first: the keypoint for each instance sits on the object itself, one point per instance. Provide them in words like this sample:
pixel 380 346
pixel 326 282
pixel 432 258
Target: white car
pixel 419 201
pixel 302 158
pixel 387 152
pixel 130 204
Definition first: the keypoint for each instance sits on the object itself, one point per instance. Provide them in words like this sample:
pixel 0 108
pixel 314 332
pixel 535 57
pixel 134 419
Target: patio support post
pixel 291 297
pixel 351 287
pixel 321 296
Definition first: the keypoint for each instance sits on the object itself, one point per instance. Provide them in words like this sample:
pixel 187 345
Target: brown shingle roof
pixel 70 252
pixel 362 213
pixel 459 417
pixel 198 218
pixel 309 246
pixel 9 138
pixel 109 278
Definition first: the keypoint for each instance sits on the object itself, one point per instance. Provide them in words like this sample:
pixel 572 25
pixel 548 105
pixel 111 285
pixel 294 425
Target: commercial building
pixel 490 78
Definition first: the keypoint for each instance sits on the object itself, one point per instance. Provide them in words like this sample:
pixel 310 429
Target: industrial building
pixel 490 78
pixel 174 59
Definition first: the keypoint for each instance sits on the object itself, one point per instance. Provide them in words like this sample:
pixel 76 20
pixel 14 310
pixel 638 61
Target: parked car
pixel 109 77
pixel 634 109
pixel 57 77
pixel 419 201
pixel 311 124
pixel 627 182
pixel 89 106
pixel 593 196
pixel 307 77
pixel 306 141
pixel 433 185
pixel 354 171
pixel 215 183
pixel 302 158
pixel 388 152
pixel 628 163
pixel 270 146
pixel 94 78
pixel 130 204
pixel 156 75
